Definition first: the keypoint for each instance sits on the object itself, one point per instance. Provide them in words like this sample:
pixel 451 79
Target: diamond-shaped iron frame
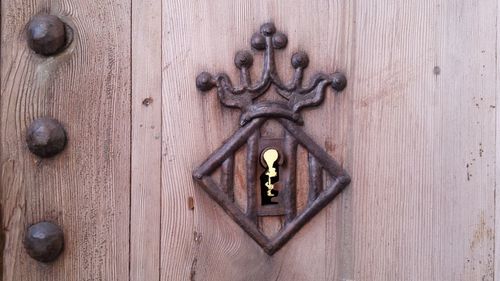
pixel 254 115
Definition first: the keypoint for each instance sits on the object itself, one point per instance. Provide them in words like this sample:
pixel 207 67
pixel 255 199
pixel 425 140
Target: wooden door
pixel 416 129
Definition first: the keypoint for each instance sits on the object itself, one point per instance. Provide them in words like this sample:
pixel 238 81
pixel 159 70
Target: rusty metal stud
pixel 47 35
pixel 339 81
pixel 46 137
pixel 44 241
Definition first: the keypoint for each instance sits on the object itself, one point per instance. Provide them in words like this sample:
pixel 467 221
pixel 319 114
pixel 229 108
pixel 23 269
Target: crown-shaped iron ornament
pixel 271 161
pixel 294 92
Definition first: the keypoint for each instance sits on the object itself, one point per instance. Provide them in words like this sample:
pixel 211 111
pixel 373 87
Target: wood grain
pixel 497 153
pixel 417 128
pixel 146 141
pixel 86 189
pixel 418 142
pixel 424 210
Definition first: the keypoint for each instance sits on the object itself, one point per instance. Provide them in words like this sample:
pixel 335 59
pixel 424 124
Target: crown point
pixel 339 81
pixel 268 29
pixel 258 42
pixel 279 40
pixel 300 59
pixel 204 81
pixel 243 59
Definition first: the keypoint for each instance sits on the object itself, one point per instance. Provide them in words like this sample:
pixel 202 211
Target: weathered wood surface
pixel 415 128
pixel 497 153
pixel 146 141
pixel 86 189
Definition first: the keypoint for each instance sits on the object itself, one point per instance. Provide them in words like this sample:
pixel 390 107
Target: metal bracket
pixel 283 163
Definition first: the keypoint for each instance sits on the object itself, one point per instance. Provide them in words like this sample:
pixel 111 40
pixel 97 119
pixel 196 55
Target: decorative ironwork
pixel 277 169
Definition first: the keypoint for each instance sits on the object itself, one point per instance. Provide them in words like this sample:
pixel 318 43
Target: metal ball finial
pixel 279 40
pixel 339 81
pixel 243 59
pixel 300 59
pixel 268 29
pixel 258 42
pixel 204 82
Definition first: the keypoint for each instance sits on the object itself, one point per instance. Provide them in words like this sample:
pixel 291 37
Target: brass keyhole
pixel 270 176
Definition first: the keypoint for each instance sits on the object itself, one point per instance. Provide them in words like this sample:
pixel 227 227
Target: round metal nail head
pixel 44 241
pixel 46 137
pixel 46 35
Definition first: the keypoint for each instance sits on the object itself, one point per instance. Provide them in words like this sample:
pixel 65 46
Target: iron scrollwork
pixel 273 159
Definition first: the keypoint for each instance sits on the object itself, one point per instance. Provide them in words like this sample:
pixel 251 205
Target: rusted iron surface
pixel 297 95
pixel 48 35
pixel 227 178
pixel 46 137
pixel 44 241
pixel 251 165
pixel 255 113
pixel 315 179
pixel 290 196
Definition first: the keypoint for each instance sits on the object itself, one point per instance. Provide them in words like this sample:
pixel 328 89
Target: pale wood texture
pixel 415 128
pixel 86 189
pixel 497 153
pixel 146 141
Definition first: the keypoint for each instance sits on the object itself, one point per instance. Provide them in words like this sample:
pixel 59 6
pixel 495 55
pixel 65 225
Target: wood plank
pixel 423 141
pixel 418 142
pixel 497 152
pixel 225 252
pixel 146 141
pixel 2 229
pixel 86 189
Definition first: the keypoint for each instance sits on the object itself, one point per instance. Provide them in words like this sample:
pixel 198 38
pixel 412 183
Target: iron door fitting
pixel 271 163
pixel 44 241
pixel 48 35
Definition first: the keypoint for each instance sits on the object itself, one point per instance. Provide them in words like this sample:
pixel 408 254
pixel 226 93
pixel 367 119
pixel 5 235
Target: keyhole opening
pixel 270 176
